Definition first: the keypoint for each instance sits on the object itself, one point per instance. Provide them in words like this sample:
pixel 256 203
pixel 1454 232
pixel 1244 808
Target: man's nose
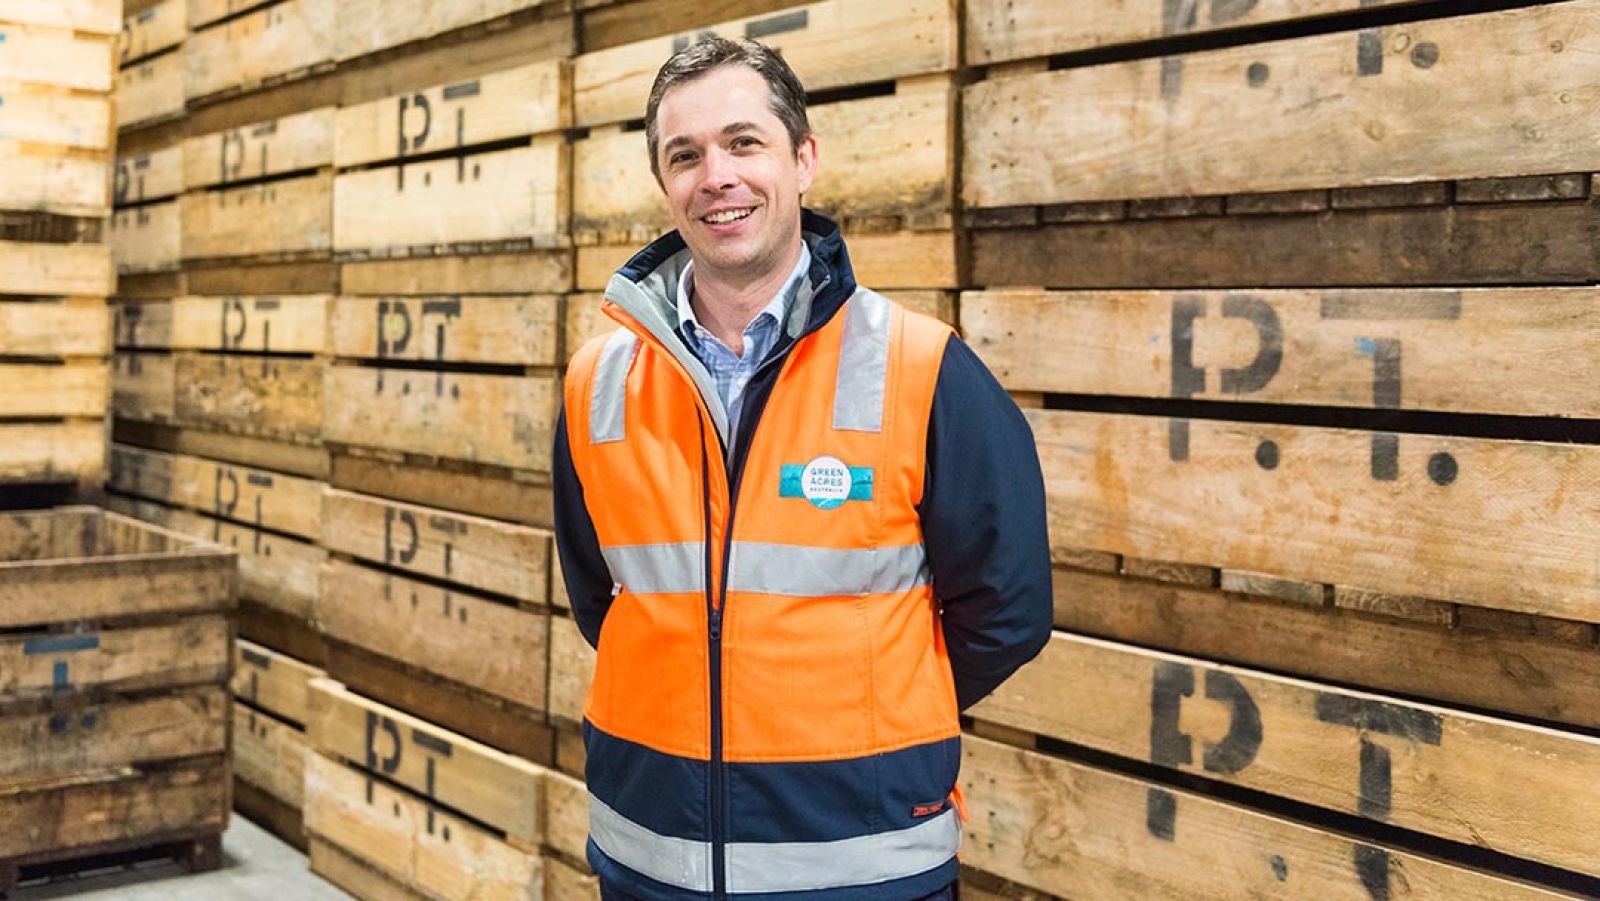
pixel 721 172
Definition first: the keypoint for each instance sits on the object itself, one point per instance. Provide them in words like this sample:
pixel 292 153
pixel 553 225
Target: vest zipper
pixel 714 639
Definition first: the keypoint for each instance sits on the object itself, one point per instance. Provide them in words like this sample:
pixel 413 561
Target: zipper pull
pixel 716 625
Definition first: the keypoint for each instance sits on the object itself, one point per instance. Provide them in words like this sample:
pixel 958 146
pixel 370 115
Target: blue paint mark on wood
pixel 59 644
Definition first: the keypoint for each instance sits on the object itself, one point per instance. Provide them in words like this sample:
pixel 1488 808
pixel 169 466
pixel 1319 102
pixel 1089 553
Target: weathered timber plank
pixel 279 40
pixel 526 100
pixel 1501 524
pixel 80 387
pixel 190 651
pixel 1422 101
pixel 168 803
pixel 502 195
pixel 507 496
pixel 111 734
pixel 152 29
pixel 1525 351
pixel 95 16
pixel 412 841
pixel 355 876
pixel 571 669
pixel 278 456
pixel 1431 246
pixel 1078 831
pixel 496 419
pixel 475 552
pixel 57 58
pixel 492 787
pixel 368 26
pixel 275 396
pixel 72 184
pixel 52 452
pixel 269 754
pixel 294 215
pixel 566 814
pixel 260 324
pixel 494 648
pixel 604 24
pixel 203 12
pixel 1489 782
pixel 830 45
pixel 1002 30
pixel 543 271
pixel 150 91
pixel 563 882
pixel 273 681
pixel 55 269
pixel 147 238
pixel 154 175
pixel 273 147
pixel 255 497
pixel 515 330
pixel 48 119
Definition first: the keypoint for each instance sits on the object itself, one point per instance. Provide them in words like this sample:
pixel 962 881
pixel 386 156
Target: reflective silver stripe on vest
pixel 608 406
pixel 863 364
pixel 802 571
pixel 777 866
pixel 658 568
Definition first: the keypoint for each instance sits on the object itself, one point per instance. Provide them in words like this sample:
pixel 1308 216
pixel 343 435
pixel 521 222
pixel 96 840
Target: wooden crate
pixel 287 217
pixel 187 651
pixel 147 238
pixel 153 29
pixel 270 717
pixel 258 498
pixel 263 324
pixel 146 176
pixel 278 42
pixel 830 45
pixel 290 143
pixel 370 26
pixel 93 16
pixel 1404 103
pixel 151 91
pixel 50 56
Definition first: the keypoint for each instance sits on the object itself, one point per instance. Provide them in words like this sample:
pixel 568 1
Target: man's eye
pixel 745 141
pixel 678 159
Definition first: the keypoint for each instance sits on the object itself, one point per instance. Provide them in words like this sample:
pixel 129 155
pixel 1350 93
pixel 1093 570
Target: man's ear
pixel 805 157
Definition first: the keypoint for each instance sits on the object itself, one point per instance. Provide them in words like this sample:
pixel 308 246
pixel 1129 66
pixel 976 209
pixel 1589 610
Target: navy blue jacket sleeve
pixel 983 522
pixel 587 576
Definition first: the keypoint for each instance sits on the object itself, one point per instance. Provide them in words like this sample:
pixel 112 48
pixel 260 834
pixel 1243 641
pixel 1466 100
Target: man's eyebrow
pixel 730 129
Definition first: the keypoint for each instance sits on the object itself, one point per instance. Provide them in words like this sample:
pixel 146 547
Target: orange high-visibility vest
pixel 772 708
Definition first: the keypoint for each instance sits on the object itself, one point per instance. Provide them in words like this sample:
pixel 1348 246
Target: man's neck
pixel 727 306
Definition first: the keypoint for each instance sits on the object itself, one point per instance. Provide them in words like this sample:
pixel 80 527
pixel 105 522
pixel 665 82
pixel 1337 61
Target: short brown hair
pixel 695 60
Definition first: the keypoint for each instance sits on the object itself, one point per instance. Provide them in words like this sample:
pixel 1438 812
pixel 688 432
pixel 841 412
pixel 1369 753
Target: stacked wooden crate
pixel 1293 291
pixel 271 714
pixel 56 74
pixel 114 644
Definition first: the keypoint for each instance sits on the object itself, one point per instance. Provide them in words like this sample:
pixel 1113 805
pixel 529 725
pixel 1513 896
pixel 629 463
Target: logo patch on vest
pixel 826 482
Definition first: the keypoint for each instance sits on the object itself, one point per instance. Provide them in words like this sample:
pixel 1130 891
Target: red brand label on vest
pixel 922 810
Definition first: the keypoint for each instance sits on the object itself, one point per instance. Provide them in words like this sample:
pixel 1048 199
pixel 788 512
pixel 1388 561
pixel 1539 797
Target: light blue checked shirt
pixel 729 371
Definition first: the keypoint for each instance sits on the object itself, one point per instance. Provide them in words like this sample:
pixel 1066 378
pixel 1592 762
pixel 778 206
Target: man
pixel 802 526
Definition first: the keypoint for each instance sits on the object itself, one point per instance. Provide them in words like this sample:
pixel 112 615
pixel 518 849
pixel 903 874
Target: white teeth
pixel 728 216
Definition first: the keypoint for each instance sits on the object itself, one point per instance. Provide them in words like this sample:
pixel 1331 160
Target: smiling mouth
pixel 726 216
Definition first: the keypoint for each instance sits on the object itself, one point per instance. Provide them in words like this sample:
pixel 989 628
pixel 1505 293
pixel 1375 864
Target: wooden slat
pixel 287 144
pixel 566 814
pixel 519 102
pixel 368 26
pixel 273 681
pixel 46 119
pixel 152 30
pixel 474 552
pixel 147 238
pixel 522 497
pixel 190 651
pixel 356 877
pixel 52 452
pixel 144 386
pixel 75 327
pixel 503 195
pixel 882 156
pixel 95 16
pixel 1428 246
pixel 184 799
pixel 271 396
pixel 274 571
pixel 443 856
pixel 1003 30
pixel 607 23
pixel 150 91
pixel 1524 351
pixel 1312 112
pixel 1492 523
pixel 830 45
pixel 1077 831
pixel 1478 780
pixel 116 733
pixel 45 55
pixel 254 497
pixel 294 215
pixel 566 883
pixel 80 387
pixel 69 185
pixel 515 330
pixel 281 39
pixel 55 269
pixel 279 456
pixel 571 669
pixel 498 273
pixel 260 324
pixel 148 176
pixel 453 634
pixel 269 754
pixel 494 788
pixel 204 12
pixel 494 419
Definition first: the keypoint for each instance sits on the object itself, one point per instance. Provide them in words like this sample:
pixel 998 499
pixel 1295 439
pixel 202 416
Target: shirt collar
pixel 777 308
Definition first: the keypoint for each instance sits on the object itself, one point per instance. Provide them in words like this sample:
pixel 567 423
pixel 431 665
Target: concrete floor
pixel 256 866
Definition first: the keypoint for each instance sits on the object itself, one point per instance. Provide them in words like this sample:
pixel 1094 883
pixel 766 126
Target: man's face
pixel 732 180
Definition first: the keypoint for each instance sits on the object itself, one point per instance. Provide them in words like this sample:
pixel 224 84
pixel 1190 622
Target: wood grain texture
pixel 368 26
pixel 256 323
pixel 100 735
pixel 567 814
pixel 294 215
pixel 160 805
pixel 273 681
pixel 147 238
pixel 55 269
pixel 143 176
pixel 52 452
pixel 191 651
pixel 269 754
pixel 45 118
pixel 514 497
pixel 1521 351
pixel 80 387
pixel 1431 102
pixel 46 55
pixel 515 330
pixel 540 272
pixel 95 16
pixel 159 27
pixel 269 396
pixel 65 184
pixel 255 497
pixel 150 92
pixel 302 140
pixel 1502 524
pixel 280 39
pixel 571 670
pixel 1489 782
